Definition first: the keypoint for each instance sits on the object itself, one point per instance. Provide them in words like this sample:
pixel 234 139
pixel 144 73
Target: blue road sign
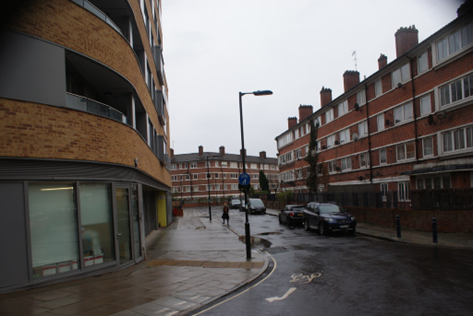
pixel 244 179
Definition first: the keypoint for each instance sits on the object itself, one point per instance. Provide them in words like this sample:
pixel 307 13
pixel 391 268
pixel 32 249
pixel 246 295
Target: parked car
pixel 292 215
pixel 256 206
pixel 234 203
pixel 327 218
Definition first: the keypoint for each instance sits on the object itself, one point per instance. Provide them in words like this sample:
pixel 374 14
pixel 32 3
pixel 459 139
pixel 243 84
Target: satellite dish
pixel 355 137
pixel 430 119
pixel 387 122
pixel 357 106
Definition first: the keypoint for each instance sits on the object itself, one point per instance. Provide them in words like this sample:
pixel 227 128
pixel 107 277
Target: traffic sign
pixel 244 178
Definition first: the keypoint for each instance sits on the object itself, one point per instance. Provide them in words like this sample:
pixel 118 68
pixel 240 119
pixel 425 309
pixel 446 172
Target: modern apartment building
pixel 189 173
pixel 84 165
pixel 405 128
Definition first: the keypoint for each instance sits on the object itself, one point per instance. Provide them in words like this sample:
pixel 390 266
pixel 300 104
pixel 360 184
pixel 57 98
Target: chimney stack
pixel 304 112
pixel 291 122
pixel 325 96
pixel 465 8
pixel 262 154
pixel 222 151
pixel 241 152
pixel 172 153
pixel 350 79
pixel 201 151
pixel 382 61
pixel 406 39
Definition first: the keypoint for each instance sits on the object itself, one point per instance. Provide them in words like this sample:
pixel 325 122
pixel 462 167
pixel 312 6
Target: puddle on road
pixel 256 242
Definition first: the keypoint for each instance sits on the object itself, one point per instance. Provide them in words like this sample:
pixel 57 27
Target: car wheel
pixel 306 225
pixel 280 220
pixel 321 229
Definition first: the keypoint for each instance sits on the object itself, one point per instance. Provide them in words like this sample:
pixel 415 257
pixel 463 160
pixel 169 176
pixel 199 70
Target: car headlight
pixel 331 220
pixel 353 218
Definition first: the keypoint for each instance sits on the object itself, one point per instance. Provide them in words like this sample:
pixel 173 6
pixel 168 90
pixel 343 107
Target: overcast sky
pixel 213 49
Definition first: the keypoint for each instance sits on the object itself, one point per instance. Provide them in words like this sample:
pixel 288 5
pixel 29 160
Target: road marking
pixel 300 277
pixel 241 293
pixel 289 292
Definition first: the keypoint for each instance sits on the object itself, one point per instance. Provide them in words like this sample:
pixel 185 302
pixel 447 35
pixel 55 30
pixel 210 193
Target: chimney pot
pixel 406 39
pixel 350 79
pixel 304 112
pixel 291 122
pixel 382 61
pixel 325 96
pixel 201 151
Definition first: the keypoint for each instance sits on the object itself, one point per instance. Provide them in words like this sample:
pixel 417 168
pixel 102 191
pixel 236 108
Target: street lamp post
pixel 208 188
pixel 243 154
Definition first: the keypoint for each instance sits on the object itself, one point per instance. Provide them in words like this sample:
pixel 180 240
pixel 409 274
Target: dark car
pixel 256 206
pixel 328 217
pixel 234 203
pixel 292 215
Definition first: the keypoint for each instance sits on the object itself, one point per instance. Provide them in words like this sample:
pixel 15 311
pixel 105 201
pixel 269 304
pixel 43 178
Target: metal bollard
pixel 398 226
pixel 434 230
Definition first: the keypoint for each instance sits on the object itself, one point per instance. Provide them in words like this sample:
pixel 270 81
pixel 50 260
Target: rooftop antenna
pixel 354 55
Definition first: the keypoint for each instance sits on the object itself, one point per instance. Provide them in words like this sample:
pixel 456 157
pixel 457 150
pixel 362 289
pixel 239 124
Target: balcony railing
pixel 88 105
pixel 94 10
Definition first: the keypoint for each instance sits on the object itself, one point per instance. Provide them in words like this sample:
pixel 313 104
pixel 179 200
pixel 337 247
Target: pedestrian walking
pixel 225 215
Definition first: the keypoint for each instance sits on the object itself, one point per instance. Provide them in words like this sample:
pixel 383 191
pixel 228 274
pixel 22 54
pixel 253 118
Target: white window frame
pixel 426 145
pixel 329 116
pixel 364 160
pixel 380 121
pixel 454 42
pixel 401 75
pixel 382 154
pixel 378 88
pixel 193 165
pixel 345 164
pixel 403 113
pixel 343 108
pixel 361 97
pixel 330 141
pixel 457 140
pixel 425 105
pixel 404 191
pixel 383 188
pixel 402 151
pixel 344 136
pixel 423 62
pixel 363 129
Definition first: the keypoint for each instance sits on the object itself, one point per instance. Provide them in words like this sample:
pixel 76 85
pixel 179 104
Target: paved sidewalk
pixel 457 240
pixel 191 263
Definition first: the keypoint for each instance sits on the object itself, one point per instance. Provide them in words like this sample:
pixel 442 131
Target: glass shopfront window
pixel 136 220
pixel 53 228
pixel 96 223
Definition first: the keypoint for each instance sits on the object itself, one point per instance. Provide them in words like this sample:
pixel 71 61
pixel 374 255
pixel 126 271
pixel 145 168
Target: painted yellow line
pixel 228 299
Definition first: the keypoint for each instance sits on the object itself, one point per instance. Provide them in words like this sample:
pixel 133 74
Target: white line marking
pixel 289 292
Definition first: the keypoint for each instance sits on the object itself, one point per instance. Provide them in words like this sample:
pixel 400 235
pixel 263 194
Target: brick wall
pixel 41 131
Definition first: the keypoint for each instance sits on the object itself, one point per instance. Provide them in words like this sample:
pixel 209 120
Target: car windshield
pixel 236 202
pixel 330 209
pixel 297 208
pixel 256 203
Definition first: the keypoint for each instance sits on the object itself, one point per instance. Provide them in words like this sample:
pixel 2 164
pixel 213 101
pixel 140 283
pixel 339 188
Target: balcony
pixel 159 62
pixel 91 106
pixel 160 105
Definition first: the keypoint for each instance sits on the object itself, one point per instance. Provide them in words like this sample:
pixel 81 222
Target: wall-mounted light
pixel 136 162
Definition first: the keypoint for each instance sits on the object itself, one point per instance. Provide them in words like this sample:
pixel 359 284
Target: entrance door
pixel 122 203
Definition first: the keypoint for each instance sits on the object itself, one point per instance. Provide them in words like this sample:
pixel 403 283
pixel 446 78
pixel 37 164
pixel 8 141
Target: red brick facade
pixel 395 130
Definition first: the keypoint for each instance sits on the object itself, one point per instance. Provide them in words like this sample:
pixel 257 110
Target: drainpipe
pixel 414 109
pixel 369 133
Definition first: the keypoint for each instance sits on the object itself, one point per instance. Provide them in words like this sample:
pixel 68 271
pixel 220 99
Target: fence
pixel 445 199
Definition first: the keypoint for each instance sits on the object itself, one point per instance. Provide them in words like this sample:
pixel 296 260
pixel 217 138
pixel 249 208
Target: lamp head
pixel 262 92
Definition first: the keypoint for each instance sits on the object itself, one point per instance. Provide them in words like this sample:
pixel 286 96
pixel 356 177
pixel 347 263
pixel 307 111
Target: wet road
pixel 357 275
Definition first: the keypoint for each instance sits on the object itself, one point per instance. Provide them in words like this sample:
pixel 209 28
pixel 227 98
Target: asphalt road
pixel 349 275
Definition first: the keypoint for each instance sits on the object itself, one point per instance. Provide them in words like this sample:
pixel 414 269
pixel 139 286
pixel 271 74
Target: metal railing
pixel 97 12
pixel 88 105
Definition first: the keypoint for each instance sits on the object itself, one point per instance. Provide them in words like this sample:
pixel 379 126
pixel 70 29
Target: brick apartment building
pixel 408 127
pixel 84 169
pixel 189 173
